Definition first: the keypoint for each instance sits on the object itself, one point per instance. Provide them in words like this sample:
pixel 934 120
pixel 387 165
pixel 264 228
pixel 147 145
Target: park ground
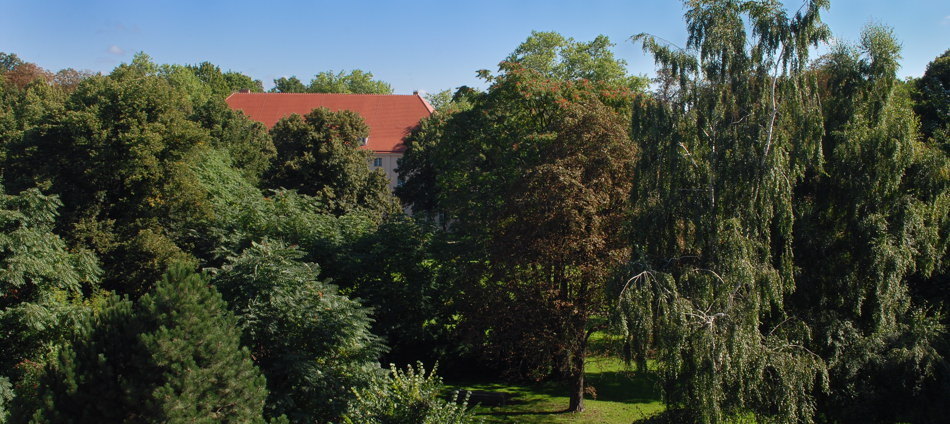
pixel 623 395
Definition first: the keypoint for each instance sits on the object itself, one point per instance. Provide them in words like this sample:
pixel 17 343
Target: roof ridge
pixel 425 103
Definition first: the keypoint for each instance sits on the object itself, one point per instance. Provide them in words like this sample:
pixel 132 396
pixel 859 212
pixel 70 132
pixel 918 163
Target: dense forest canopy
pixel 761 233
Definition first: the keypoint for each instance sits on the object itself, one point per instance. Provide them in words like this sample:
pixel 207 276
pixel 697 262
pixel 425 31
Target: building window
pixel 377 162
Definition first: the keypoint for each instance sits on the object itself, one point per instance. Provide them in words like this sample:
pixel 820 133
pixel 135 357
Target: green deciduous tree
pixel 319 155
pixel 115 155
pixel 933 101
pixel 556 57
pixel 393 270
pixel 22 110
pixel 9 61
pixel 224 83
pixel 418 167
pixel 355 82
pixel 713 213
pixel 6 395
pixel 68 79
pixel 47 290
pixel 312 343
pixel 246 141
pixel 288 85
pixel 174 356
pixel 243 214
pixel 535 177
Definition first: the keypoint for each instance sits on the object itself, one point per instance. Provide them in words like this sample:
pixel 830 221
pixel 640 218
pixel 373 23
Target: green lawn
pixel 622 397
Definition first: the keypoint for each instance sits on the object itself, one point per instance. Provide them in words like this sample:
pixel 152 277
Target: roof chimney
pixel 244 90
pixel 415 92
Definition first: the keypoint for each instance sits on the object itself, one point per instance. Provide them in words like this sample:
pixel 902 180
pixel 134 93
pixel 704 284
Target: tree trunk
pixel 577 380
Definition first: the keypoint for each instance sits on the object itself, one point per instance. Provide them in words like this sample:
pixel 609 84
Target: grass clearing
pixel 622 396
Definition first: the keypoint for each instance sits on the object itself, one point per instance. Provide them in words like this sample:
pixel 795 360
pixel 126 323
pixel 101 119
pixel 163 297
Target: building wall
pixel 387 162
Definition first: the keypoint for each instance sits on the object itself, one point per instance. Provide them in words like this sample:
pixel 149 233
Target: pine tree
pixel 173 357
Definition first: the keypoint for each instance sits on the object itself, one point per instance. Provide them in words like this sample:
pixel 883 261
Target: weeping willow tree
pixel 738 124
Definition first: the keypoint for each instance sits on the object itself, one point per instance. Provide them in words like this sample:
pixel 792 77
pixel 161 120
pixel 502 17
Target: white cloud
pixel 116 50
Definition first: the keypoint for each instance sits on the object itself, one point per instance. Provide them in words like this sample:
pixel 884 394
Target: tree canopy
pixel 764 235
pixel 355 82
pixel 534 176
pixel 174 356
pixel 318 154
pixel 713 213
pixel 313 344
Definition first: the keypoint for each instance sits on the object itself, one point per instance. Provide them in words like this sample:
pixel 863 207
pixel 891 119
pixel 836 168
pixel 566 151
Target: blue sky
pixel 419 45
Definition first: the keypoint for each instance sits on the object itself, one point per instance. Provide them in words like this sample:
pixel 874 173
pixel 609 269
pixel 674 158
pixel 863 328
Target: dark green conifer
pixel 173 357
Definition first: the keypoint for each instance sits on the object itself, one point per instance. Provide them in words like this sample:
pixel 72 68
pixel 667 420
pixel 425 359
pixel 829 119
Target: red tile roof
pixel 389 117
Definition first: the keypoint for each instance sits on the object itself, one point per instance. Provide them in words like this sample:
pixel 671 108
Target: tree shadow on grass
pixel 610 386
pixel 542 402
pixel 521 413
pixel 625 386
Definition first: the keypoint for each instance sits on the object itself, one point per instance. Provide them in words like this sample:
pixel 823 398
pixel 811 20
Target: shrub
pixel 409 397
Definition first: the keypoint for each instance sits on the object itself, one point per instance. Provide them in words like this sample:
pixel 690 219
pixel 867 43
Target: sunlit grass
pixel 622 396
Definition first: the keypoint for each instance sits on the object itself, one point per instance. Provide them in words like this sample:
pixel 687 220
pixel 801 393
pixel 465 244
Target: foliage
pixel 439 101
pixel 46 288
pixel 9 62
pixel 418 167
pixel 873 224
pixel 224 83
pixel 389 264
pixel 933 101
pixel 288 85
pixel 534 178
pixel 6 395
pixel 115 154
pixel 22 110
pixel 312 343
pixel 172 357
pixel 395 271
pixel 246 141
pixel 26 73
pixel 319 155
pixel 68 79
pixel 184 81
pixel 243 214
pixel 408 397
pixel 354 82
pixel 559 58
pixel 713 213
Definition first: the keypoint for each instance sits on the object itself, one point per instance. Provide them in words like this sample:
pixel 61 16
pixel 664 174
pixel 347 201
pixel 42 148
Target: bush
pixel 409 397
